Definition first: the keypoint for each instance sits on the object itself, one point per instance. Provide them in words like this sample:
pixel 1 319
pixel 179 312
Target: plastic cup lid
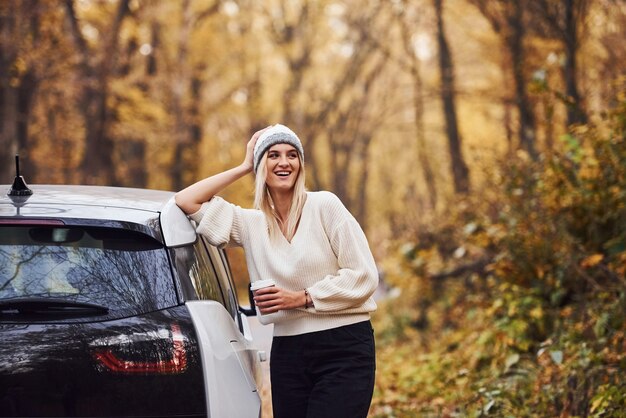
pixel 259 284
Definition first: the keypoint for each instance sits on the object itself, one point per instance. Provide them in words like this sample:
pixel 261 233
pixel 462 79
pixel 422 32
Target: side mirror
pixel 251 311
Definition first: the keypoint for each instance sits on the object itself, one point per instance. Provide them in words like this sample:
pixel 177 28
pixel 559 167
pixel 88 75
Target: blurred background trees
pixel 479 142
pixel 158 94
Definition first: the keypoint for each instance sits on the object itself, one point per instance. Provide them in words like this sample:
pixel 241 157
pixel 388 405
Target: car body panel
pixel 53 369
pixel 111 197
pixel 223 349
pixel 153 208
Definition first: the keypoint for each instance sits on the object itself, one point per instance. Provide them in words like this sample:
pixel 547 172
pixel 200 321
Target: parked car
pixel 112 305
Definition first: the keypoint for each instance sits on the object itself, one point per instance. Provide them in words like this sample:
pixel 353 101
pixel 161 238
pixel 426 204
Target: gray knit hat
pixel 276 134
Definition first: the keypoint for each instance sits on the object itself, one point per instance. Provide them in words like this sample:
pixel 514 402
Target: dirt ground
pixel 262 335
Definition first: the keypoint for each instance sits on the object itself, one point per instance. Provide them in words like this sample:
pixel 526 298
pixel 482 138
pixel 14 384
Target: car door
pixel 229 358
pixel 245 347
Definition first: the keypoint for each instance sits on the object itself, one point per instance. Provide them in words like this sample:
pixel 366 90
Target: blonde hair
pixel 263 201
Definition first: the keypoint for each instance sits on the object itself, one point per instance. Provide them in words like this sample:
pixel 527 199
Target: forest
pixel 481 144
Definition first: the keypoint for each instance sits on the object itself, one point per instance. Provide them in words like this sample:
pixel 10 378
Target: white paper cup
pixel 261 284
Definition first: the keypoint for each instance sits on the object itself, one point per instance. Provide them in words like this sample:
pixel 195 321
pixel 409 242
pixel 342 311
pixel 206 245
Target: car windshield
pixel 122 270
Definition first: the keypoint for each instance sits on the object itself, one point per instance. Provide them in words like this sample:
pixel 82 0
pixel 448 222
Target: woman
pixel 322 362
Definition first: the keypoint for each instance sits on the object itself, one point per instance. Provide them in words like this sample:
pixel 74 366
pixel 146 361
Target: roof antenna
pixel 19 186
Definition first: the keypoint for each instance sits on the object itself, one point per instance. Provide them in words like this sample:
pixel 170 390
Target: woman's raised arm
pixel 192 197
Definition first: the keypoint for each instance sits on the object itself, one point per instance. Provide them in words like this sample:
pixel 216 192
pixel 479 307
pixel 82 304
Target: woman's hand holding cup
pixel 270 299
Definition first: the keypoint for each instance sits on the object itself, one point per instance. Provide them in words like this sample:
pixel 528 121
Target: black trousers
pixel 324 374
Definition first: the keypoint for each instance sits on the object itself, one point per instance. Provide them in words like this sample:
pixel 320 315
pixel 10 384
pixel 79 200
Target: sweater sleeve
pixel 357 276
pixel 220 222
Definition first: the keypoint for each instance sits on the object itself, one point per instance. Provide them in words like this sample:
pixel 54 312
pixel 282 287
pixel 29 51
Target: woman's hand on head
pixel 248 161
pixel 274 299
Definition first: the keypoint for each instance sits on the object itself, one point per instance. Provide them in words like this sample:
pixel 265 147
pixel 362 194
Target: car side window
pixel 222 275
pixel 195 267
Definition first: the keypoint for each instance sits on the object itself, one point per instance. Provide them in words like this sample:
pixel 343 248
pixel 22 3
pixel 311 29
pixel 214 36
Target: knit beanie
pixel 276 134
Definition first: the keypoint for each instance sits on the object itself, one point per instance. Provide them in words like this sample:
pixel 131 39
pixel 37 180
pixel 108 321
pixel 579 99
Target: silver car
pixel 112 305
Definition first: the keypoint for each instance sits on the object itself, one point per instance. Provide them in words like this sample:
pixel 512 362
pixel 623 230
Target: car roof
pixel 140 206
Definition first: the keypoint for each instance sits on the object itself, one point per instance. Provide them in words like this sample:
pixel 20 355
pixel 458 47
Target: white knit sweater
pixel 329 255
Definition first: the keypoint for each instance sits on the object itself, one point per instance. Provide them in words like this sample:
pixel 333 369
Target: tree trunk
pixel 16 90
pixel 575 110
pixel 8 145
pixel 8 131
pixel 339 167
pixel 294 36
pixel 507 20
pixel 565 21
pixel 418 111
pixel 179 90
pixel 25 93
pixel 133 152
pixel 186 103
pixel 420 136
pixel 155 42
pixel 507 101
pixel 360 201
pixel 194 130
pixel 97 164
pixel 527 127
pixel 460 172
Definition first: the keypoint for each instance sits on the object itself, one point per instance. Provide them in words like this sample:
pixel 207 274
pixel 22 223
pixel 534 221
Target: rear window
pixel 123 270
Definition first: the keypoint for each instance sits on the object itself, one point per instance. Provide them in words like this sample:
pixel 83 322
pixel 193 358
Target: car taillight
pixel 127 354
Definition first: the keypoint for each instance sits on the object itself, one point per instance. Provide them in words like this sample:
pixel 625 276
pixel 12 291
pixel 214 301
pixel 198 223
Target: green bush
pixel 565 216
pixel 541 329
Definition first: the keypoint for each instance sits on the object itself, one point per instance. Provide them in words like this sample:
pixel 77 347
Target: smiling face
pixel 283 166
